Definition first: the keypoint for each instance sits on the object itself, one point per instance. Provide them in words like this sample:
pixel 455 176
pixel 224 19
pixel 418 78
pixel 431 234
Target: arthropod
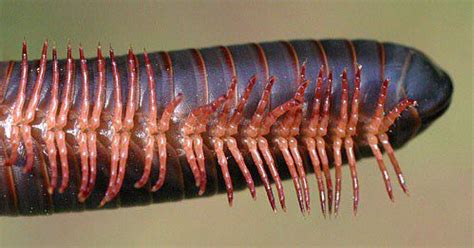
pixel 135 129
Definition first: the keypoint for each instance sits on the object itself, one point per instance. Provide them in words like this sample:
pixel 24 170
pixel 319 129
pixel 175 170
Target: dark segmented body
pixel 202 76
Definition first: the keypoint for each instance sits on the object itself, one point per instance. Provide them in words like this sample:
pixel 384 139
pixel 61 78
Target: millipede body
pixel 110 131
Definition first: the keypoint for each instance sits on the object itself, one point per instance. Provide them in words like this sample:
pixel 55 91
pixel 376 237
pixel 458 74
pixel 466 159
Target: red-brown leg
pixel 267 155
pixel 191 158
pixel 321 146
pixel 161 140
pixel 52 153
pixel 396 166
pixel 390 118
pixel 114 160
pixel 252 146
pixel 124 142
pixel 61 142
pixel 92 144
pixel 222 161
pixel 373 142
pixel 25 131
pixel 239 159
pixel 313 155
pixel 338 166
pixel 276 113
pixel 197 145
pixel 84 155
pixel 283 146
pixel 149 151
pixel 349 146
pixel 237 115
pixel 30 112
pixel 15 143
pixel 166 116
pixel 295 153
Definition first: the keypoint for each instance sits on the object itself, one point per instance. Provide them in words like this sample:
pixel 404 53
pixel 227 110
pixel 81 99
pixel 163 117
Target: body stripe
pixel 169 69
pixel 202 73
pixel 10 176
pixel 294 56
pixel 262 59
pixel 229 60
pixel 5 83
pixel 323 55
pixel 382 60
pixel 44 172
pixel 350 44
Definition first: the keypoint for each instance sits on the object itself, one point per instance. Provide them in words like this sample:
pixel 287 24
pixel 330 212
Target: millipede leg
pixel 252 146
pixel 197 144
pixel 396 166
pixel 52 153
pixel 114 160
pixel 191 158
pixel 313 155
pixel 161 140
pixel 349 147
pixel 92 144
pixel 25 131
pixel 373 142
pixel 222 161
pixel 15 143
pixel 149 150
pixel 265 150
pixel 61 142
pixel 84 155
pixel 283 146
pixel 321 145
pixel 266 183
pixel 338 166
pixel 239 159
pixel 293 145
pixel 124 142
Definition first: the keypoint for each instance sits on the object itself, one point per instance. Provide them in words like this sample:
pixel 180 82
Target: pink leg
pixel 124 142
pixel 222 161
pixel 295 153
pixel 84 154
pixel 61 142
pixel 149 147
pixel 188 150
pixel 161 140
pixel 28 142
pixel 378 155
pixel 52 153
pixel 92 141
pixel 391 154
pixel 283 146
pixel 349 146
pixel 252 146
pixel 15 143
pixel 239 159
pixel 267 155
pixel 313 155
pixel 321 145
pixel 197 144
pixel 338 165
pixel 114 160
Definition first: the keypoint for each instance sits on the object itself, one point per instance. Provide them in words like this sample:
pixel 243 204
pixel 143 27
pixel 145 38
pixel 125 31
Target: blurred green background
pixel 438 164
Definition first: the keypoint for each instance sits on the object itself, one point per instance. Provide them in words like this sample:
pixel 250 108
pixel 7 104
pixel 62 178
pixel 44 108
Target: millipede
pixel 110 131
